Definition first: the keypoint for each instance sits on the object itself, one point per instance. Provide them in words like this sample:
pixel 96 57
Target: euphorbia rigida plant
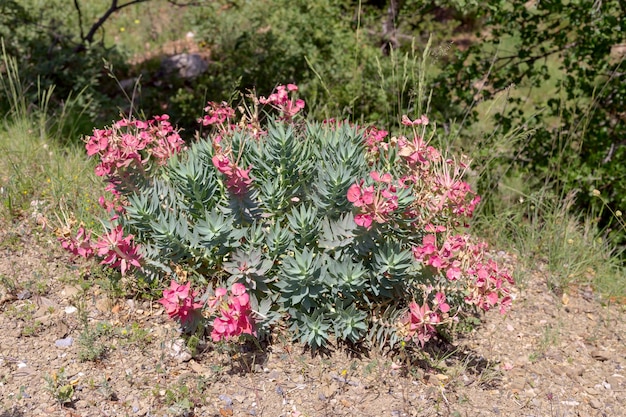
pixel 334 228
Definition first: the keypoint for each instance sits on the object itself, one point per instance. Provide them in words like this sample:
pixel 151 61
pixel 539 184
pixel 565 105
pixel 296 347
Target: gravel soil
pixel 69 348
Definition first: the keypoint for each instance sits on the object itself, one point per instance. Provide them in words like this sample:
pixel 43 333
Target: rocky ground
pixel 70 348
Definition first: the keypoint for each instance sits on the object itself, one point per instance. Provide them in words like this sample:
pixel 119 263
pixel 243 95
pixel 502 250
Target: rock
pixel 178 350
pixel 70 291
pixel 187 65
pixel 574 373
pixel 64 343
pixel 615 381
pixel 518 384
pixel 600 355
pixel 104 304
pixel 595 403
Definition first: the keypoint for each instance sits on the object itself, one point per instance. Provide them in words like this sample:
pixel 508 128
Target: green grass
pixel 39 177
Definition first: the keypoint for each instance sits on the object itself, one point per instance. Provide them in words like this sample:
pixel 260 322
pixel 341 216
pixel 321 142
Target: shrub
pixel 335 228
pixel 566 57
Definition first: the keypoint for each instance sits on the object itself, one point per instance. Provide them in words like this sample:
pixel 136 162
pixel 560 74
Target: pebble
pixel 615 381
pixel 64 343
pixel 178 350
pixel 599 355
pixel 595 403
pixel 226 399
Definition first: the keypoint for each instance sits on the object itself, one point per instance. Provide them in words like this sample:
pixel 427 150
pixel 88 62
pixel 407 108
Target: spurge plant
pixel 330 227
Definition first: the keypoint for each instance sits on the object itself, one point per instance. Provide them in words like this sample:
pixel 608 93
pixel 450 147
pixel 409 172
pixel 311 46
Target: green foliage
pixel 59 387
pixel 565 88
pixel 332 50
pixel 291 238
pixel 54 57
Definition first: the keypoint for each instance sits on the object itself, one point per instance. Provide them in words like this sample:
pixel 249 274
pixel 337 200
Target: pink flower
pixel 364 220
pixel 440 302
pixel 420 121
pixel 98 142
pixel 280 101
pixel 80 245
pixel 235 314
pixel 418 324
pixel 386 178
pixel 179 302
pixel 118 250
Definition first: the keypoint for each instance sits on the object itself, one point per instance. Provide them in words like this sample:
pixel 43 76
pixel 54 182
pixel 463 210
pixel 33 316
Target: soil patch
pixel 69 349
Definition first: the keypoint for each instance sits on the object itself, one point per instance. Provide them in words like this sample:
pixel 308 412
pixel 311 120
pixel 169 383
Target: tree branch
pixel 94 28
pixel 80 19
pixel 532 59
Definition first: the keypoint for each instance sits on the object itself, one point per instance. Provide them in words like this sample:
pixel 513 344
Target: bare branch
pixel 112 9
pixel 80 19
pixel 186 3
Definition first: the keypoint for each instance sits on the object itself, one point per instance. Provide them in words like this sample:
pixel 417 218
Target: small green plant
pixel 9 284
pixel 106 390
pixel 178 399
pixel 59 387
pixel 32 329
pixel 91 346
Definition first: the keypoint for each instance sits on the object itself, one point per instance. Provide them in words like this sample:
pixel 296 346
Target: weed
pixel 32 329
pixel 91 347
pixel 106 390
pixel 59 387
pixel 9 284
pixel 11 241
pixel 22 311
pixel 178 399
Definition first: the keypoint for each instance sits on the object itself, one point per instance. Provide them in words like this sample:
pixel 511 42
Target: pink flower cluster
pixel 237 179
pixel 280 100
pixel 459 257
pixel 420 321
pixel 79 245
pixel 179 302
pixel 375 205
pixel 423 120
pixel 235 313
pixel 117 250
pixel 439 189
pixel 217 114
pixel 133 142
pixel 374 138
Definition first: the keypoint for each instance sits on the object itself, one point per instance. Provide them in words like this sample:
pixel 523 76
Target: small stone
pixel 226 399
pixel 615 381
pixel 573 373
pixel 70 310
pixel 178 350
pixel 104 304
pixel 595 403
pixel 599 355
pixel 64 343
pixel 517 384
pixel 23 295
pixel 70 291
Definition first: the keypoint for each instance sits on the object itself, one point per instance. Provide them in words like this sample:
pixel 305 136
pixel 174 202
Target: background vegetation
pixel 532 91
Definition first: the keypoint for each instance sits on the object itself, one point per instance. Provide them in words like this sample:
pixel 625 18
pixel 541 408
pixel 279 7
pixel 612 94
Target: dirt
pixel 68 348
